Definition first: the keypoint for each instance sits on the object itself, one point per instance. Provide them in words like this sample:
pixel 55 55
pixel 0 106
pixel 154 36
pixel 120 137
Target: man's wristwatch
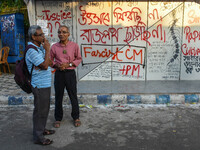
pixel 70 64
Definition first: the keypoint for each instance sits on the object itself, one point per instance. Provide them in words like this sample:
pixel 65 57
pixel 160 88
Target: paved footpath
pixel 110 121
pixel 140 127
pixel 111 92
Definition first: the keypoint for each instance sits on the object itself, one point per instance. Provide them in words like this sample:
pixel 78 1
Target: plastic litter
pixel 119 106
pixel 81 105
pixel 87 106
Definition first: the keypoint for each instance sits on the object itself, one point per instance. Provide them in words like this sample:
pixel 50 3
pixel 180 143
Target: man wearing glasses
pixel 38 61
pixel 65 56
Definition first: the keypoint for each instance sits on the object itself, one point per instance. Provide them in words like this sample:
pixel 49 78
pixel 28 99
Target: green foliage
pixel 15 6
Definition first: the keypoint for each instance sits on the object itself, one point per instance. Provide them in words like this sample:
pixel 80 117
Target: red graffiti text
pixel 92 18
pixel 133 15
pixel 155 15
pixel 139 32
pixel 193 18
pixel 55 16
pixel 94 35
pixel 130 70
pixel 191 51
pixel 130 54
pixel 189 35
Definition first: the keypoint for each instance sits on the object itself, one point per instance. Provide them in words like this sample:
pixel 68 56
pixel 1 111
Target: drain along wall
pixel 129 40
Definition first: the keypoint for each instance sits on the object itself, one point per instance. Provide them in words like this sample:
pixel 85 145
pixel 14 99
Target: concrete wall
pixel 129 40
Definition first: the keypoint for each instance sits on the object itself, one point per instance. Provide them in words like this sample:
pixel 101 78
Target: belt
pixel 66 70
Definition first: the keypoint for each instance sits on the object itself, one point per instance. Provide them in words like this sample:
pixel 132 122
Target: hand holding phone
pixel 46 45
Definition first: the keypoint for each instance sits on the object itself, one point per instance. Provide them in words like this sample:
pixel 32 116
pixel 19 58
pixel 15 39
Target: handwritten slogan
pixel 125 40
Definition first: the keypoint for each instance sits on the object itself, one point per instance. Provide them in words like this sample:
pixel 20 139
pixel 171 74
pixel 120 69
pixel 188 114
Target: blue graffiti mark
pixel 8 23
pixel 104 99
pixel 14 101
pixel 134 99
pixel 162 99
pixel 191 98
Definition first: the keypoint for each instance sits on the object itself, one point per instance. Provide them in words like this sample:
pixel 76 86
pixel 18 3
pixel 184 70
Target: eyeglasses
pixel 42 34
pixel 64 32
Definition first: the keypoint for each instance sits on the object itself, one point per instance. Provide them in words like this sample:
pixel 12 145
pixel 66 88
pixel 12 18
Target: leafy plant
pixel 15 6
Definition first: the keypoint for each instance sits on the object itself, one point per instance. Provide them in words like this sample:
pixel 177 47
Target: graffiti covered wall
pixel 129 40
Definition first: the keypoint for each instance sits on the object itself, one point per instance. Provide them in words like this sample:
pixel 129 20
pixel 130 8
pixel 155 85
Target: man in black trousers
pixel 65 56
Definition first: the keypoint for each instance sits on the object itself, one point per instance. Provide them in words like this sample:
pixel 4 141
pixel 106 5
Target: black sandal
pixel 77 122
pixel 48 132
pixel 44 142
pixel 56 124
